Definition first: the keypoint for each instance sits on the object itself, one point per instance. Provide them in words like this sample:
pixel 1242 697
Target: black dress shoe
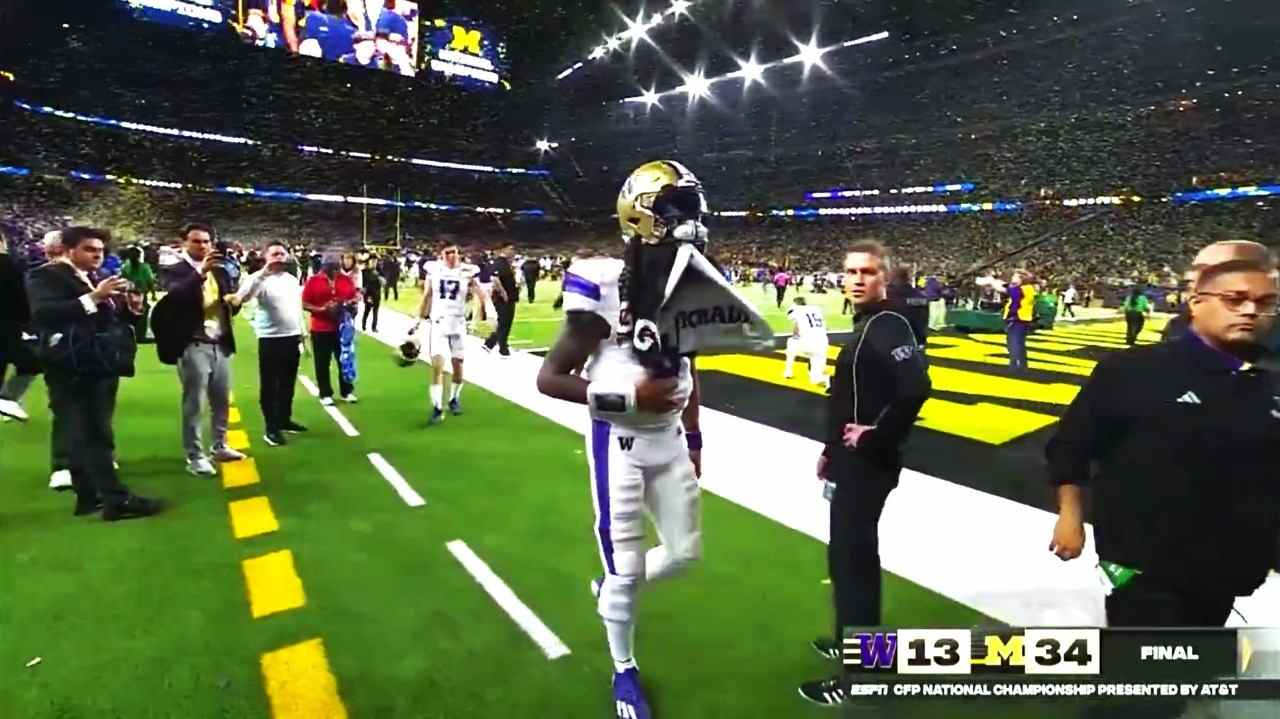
pixel 133 507
pixel 294 427
pixel 84 507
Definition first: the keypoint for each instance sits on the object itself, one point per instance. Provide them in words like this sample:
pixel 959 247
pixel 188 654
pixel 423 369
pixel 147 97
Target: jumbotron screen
pixel 376 34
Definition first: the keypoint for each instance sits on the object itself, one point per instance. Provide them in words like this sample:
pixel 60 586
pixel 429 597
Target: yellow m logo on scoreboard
pixel 1001 653
pixel 465 40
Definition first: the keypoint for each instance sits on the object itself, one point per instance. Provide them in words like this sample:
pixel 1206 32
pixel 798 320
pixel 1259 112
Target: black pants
pixel 530 284
pixel 847 307
pixel 325 346
pixel 86 407
pixel 1147 602
pixel 372 303
pixel 782 292
pixel 392 288
pixel 1135 321
pixel 278 359
pixel 1068 310
pixel 853 552
pixel 501 335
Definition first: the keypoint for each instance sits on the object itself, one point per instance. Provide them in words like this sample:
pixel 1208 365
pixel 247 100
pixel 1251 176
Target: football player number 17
pixel 449 289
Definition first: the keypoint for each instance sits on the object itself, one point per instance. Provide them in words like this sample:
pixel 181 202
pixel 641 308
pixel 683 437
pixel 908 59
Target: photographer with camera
pixel 203 330
pixel 87 345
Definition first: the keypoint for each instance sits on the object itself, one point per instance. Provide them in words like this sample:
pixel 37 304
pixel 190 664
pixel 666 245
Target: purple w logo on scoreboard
pixel 871 650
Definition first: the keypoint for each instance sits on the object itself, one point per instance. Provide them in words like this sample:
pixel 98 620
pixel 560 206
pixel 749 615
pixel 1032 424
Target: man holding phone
pixel 197 282
pixel 278 324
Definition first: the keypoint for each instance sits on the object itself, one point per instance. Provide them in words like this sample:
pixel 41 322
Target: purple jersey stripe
pixel 581 286
pixel 600 459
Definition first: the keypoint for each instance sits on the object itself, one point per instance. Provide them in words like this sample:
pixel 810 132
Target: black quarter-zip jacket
pixel 880 380
pixel 1180 446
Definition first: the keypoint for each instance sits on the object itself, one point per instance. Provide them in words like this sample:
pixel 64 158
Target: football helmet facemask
pixel 662 201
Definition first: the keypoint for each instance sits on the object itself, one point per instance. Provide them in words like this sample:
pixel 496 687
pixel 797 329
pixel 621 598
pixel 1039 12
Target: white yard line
pixel 396 480
pixel 343 423
pixel 996 560
pixel 507 599
pixel 308 385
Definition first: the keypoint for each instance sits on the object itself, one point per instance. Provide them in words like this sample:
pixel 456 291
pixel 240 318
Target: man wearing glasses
pixel 1186 440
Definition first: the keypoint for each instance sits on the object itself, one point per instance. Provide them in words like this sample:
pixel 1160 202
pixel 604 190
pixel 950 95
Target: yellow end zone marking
pixel 252 517
pixel 966 350
pixel 233 415
pixel 273 584
pixel 240 474
pixel 1033 343
pixel 982 422
pixel 300 684
pixel 238 439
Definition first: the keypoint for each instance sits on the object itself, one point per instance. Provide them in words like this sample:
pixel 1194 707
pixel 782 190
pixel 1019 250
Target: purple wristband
pixel 694 440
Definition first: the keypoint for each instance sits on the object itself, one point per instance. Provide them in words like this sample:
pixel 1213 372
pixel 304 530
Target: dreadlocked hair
pixel 641 287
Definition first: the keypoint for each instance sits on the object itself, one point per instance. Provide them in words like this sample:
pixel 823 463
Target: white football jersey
pixel 808 322
pixel 591 285
pixel 448 287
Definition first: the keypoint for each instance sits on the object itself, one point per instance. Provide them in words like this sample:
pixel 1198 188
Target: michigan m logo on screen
pixel 466 40
pixel 877 650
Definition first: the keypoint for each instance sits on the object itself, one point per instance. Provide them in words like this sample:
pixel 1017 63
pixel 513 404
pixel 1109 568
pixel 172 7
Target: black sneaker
pixel 133 507
pixel 83 507
pixel 275 439
pixel 294 427
pixel 437 416
pixel 831 692
pixel 455 407
pixel 826 648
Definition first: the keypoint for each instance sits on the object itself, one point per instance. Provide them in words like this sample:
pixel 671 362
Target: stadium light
pixel 696 85
pixel 751 71
pixel 636 31
pixel 810 55
pixel 545 145
pixel 650 98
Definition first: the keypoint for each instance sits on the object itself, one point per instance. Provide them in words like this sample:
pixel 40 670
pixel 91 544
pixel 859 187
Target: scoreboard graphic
pixel 1064 662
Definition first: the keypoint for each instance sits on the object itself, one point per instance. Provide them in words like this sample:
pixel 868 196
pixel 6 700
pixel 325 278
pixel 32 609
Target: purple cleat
pixel 628 698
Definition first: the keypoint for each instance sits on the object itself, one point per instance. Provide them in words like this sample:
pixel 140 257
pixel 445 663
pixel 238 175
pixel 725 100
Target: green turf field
pixel 536 325
pixel 150 618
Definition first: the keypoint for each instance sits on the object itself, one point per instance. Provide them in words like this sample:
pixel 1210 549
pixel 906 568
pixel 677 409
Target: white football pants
pixel 634 474
pixel 816 351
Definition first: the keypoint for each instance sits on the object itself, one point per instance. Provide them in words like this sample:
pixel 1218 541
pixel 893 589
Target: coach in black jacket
pixel 1185 439
pixel 66 301
pixel 879 385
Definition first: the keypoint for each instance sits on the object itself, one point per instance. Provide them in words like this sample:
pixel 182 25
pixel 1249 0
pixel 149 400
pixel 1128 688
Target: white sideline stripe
pixel 308 385
pixel 343 423
pixel 507 599
pixel 396 480
pixel 1001 566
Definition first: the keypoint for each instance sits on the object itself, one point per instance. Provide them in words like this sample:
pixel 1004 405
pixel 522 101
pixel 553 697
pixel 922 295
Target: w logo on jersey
pixel 626 443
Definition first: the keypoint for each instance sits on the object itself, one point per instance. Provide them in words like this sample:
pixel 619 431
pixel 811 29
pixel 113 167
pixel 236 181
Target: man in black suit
pixel 67 302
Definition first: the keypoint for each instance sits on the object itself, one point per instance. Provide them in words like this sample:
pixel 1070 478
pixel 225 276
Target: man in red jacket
pixel 324 296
